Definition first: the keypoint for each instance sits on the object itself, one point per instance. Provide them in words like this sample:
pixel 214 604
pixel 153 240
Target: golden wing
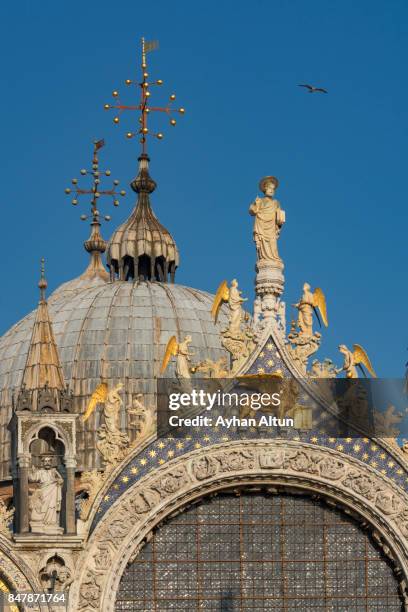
pixel 221 296
pixel 360 356
pixel 171 351
pixel 320 303
pixel 98 397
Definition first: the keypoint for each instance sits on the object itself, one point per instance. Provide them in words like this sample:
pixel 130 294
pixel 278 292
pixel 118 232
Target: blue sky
pixel 341 158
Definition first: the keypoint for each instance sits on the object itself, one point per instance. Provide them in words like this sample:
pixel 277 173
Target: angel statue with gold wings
pixel 232 295
pixel 180 350
pixel 308 304
pixel 112 442
pixel 356 357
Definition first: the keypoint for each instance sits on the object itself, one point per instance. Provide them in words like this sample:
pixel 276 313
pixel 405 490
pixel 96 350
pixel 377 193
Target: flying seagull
pixel 313 89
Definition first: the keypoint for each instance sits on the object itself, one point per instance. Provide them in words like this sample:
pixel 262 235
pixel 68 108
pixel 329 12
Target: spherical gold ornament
pixel 115 93
pixel 173 97
pixel 97 194
pixel 145 131
pixel 116 202
pixel 147 110
pixel 128 82
pixel 159 135
pixel 68 191
pixel 116 182
pixel 159 82
pixel 107 106
pixel 173 122
pixel 83 171
pixel 129 135
pixel 181 111
pixel 116 120
pixel 74 202
pixel 107 172
pixel 74 181
pixel 147 94
pixel 145 75
pixel 123 192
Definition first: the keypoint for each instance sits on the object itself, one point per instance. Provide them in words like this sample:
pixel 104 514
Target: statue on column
pixel 45 499
pixel 269 283
pixel 269 218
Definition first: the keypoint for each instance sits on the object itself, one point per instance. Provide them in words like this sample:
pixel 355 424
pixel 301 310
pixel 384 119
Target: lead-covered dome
pixel 117 331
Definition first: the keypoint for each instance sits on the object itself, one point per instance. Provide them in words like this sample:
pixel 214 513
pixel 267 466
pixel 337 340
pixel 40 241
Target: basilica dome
pixel 114 327
pixel 116 331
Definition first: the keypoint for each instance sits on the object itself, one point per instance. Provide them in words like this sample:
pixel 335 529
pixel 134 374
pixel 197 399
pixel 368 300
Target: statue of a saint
pixel 45 500
pixel 269 218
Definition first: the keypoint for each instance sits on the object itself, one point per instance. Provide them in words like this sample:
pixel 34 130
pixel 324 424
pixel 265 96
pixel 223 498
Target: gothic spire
pixel 43 383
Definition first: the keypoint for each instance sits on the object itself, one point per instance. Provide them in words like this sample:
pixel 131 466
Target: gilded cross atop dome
pixel 95 245
pixel 144 107
pixel 142 248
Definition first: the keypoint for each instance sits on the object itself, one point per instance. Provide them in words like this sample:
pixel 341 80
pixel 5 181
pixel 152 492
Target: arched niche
pixel 47 442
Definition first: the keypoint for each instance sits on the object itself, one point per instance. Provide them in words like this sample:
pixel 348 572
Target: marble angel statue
pixel 233 296
pixel 181 351
pixel 308 304
pixel 353 359
pixel 112 443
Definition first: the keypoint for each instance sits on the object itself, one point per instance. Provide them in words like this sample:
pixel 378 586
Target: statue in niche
pixel 45 498
pixel 269 219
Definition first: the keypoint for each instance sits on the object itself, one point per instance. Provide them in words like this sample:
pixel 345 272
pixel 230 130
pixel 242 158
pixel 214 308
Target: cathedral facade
pixel 101 512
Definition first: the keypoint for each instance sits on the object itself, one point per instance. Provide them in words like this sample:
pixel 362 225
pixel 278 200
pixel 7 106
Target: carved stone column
pixel 23 514
pixel 70 527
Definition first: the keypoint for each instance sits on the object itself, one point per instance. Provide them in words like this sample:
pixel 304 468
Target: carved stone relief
pixel 131 518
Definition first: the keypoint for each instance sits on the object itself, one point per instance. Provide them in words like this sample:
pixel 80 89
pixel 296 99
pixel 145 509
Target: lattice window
pixel 259 552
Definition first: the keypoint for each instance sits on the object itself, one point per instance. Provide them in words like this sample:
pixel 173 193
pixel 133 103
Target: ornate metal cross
pixel 144 106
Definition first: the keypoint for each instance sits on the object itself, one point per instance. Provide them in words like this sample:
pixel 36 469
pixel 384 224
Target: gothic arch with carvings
pixel 373 498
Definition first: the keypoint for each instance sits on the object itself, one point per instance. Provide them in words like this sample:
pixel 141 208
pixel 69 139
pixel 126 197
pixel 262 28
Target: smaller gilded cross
pixel 95 191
